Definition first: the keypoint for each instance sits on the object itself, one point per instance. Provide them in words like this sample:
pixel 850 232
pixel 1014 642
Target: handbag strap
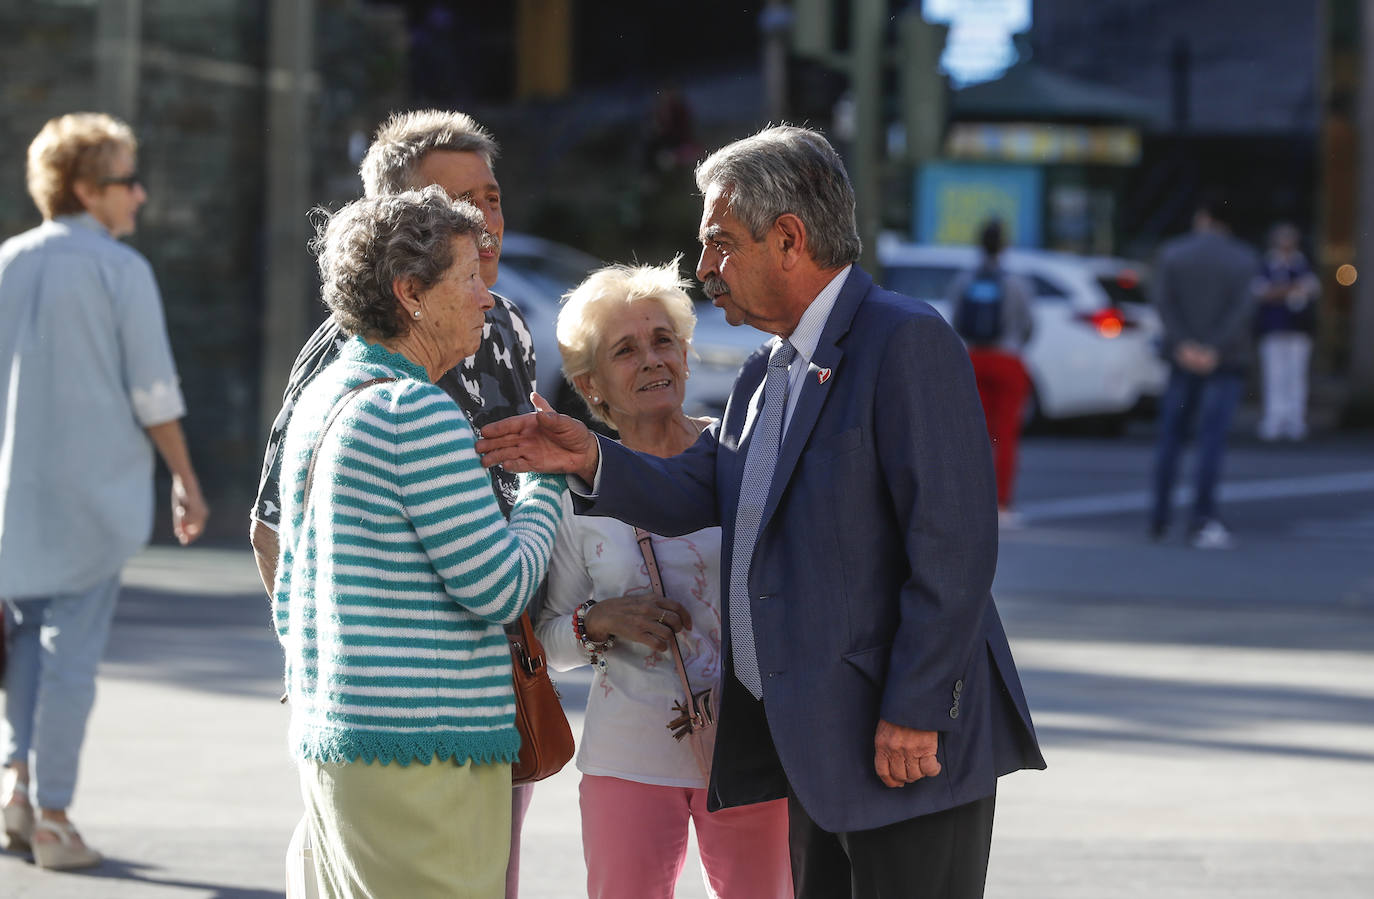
pixel 529 652
pixel 319 441
pixel 646 549
pixel 319 438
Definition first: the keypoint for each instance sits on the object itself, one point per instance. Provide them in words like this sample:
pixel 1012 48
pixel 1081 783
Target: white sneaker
pixel 1212 535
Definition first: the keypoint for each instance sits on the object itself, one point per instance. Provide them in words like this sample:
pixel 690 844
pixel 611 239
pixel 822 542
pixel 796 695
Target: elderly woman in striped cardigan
pixel 398 570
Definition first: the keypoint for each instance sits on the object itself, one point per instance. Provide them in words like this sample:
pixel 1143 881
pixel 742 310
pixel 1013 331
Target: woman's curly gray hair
pixel 365 246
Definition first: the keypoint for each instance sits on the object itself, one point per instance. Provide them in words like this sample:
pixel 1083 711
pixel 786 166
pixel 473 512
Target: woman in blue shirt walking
pixel 88 390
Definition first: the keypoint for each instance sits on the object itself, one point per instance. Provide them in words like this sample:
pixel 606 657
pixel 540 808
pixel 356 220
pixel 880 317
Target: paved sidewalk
pixel 1200 745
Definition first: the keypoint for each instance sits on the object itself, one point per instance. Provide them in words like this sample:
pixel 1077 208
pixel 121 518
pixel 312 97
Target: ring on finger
pixel 662 615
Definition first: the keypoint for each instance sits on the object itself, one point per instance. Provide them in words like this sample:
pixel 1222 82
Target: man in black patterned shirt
pixel 414 150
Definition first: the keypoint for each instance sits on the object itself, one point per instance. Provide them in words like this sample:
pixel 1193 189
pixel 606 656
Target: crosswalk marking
pixel 1232 492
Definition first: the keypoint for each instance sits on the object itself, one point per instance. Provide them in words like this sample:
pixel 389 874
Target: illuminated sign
pixel 954 200
pixel 979 46
pixel 1032 142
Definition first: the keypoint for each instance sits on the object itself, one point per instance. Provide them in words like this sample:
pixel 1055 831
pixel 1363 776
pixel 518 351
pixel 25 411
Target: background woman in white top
pixel 624 334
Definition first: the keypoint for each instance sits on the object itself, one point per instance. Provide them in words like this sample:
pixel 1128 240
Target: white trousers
pixel 1284 356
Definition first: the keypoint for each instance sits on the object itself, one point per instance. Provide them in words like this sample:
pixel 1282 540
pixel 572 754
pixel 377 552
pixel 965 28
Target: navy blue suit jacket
pixel 870 586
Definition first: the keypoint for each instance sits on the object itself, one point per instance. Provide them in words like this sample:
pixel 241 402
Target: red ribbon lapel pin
pixel 822 375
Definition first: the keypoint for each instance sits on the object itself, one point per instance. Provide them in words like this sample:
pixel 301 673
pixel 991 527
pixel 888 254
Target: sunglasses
pixel 128 180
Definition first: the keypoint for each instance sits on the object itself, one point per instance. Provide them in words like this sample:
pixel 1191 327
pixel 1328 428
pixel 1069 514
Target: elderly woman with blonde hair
pixel 625 334
pixel 88 392
pixel 397 569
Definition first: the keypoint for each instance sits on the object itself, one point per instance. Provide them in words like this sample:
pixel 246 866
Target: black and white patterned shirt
pixel 493 383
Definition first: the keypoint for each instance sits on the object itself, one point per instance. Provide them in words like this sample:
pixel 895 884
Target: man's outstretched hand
pixel 541 440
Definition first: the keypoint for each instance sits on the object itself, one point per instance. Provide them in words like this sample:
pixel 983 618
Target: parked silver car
pixel 536 273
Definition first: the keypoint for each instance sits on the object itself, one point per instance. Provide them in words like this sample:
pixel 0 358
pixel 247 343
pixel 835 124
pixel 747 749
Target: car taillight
pixel 1107 322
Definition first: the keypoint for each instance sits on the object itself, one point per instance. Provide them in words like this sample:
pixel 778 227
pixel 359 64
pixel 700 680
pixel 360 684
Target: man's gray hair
pixel 403 140
pixel 365 246
pixel 788 169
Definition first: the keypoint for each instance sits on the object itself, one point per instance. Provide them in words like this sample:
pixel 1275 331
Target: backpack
pixel 978 314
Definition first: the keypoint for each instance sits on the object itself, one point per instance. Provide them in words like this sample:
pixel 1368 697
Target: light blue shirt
pixel 85 367
pixel 805 338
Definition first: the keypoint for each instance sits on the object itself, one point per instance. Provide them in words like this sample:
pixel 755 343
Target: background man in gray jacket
pixel 1202 289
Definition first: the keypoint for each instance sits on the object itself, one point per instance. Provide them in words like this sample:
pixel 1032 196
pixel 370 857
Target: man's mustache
pixel 714 286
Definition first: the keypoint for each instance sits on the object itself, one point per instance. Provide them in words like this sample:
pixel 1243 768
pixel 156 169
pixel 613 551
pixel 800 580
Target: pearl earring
pixel 596 400
pixel 416 313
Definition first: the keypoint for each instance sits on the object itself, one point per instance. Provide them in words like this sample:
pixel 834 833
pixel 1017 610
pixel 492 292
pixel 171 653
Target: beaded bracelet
pixel 595 651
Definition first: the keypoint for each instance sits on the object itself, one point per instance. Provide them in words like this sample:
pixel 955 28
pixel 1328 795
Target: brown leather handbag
pixel 546 740
pixel 695 714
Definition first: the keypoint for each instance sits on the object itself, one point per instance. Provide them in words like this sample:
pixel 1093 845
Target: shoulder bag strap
pixel 529 652
pixel 319 439
pixel 646 548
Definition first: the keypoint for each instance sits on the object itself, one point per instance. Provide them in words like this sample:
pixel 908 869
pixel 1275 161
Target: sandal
pixel 66 852
pixel 18 815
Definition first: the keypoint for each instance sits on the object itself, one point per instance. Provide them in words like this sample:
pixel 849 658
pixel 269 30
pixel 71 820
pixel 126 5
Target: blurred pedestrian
pixel 1287 315
pixel 88 392
pixel 625 333
pixel 992 313
pixel 413 150
pixel 1203 291
pixel 670 142
pixel 398 569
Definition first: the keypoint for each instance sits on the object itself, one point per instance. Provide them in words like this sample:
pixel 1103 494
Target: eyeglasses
pixel 128 180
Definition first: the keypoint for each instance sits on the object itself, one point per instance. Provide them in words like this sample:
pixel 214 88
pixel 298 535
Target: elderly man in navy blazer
pixel 869 678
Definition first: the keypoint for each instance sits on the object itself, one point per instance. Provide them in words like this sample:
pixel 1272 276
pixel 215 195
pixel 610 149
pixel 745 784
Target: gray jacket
pixel 1202 289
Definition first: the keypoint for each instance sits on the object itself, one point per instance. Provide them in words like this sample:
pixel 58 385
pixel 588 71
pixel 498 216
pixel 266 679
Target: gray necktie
pixel 753 495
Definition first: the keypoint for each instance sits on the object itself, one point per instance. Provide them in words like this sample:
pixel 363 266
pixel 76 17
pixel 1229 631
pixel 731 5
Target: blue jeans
pixel 55 646
pixel 1211 400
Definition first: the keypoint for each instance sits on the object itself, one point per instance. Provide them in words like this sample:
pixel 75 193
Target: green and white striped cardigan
pixel 392 590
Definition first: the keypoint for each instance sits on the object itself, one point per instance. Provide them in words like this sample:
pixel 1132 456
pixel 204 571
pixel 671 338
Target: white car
pixel 536 273
pixel 1089 355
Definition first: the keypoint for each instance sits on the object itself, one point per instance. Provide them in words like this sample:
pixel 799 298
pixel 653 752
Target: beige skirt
pixel 383 831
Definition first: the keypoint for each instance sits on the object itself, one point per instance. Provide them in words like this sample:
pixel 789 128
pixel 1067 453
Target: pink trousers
pixel 634 838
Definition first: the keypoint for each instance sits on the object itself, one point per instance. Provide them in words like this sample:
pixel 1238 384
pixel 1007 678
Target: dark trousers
pixel 1211 400
pixel 938 856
